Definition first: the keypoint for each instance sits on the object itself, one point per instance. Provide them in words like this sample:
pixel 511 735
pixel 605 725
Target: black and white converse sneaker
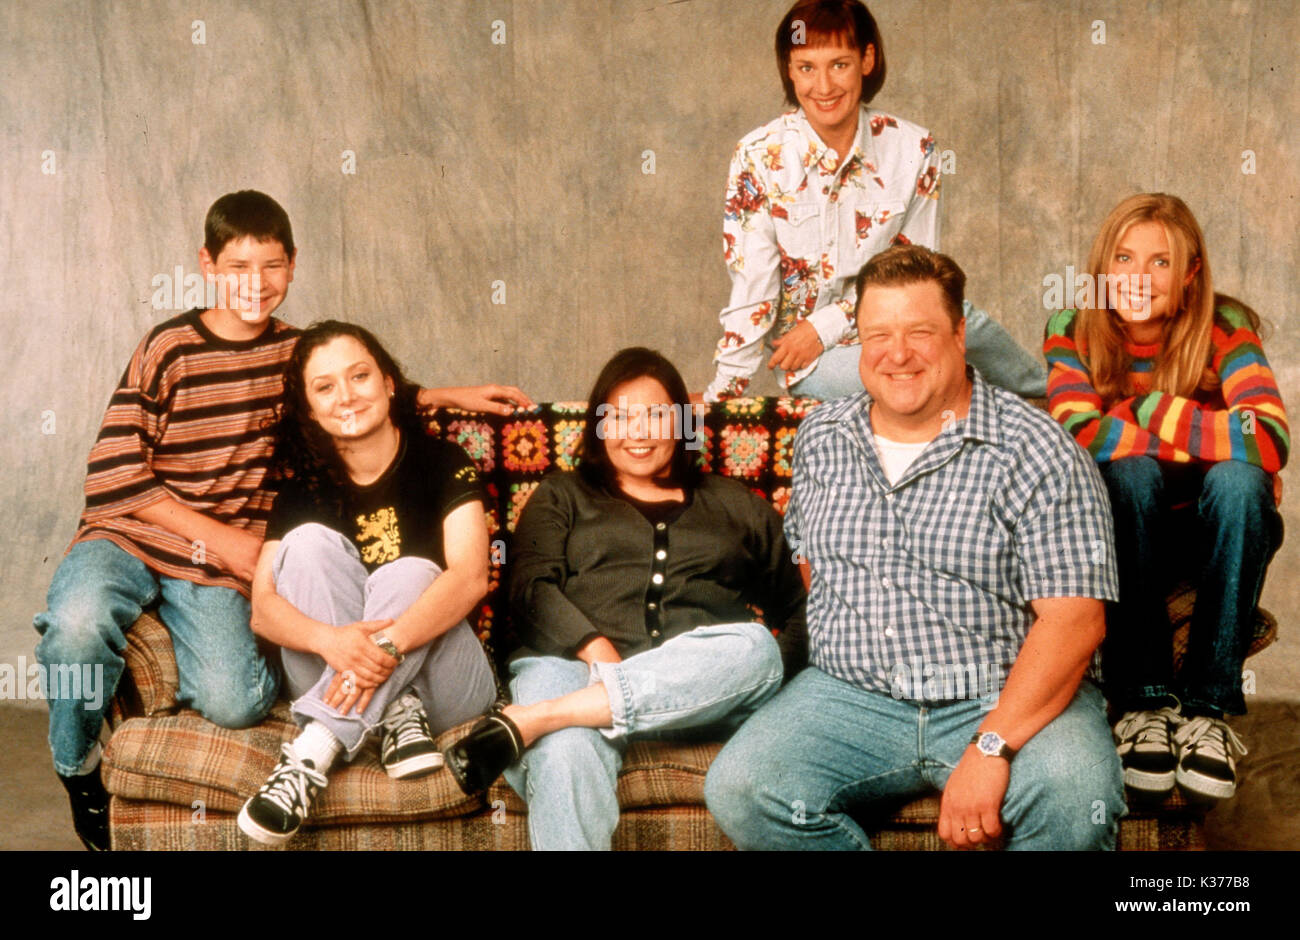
pixel 89 802
pixel 1144 740
pixel 1207 751
pixel 273 814
pixel 408 749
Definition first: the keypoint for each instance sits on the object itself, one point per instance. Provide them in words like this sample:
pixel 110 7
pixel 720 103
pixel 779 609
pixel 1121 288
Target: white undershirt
pixel 897 456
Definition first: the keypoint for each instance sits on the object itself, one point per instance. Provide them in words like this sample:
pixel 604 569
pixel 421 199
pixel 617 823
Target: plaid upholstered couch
pixel 177 781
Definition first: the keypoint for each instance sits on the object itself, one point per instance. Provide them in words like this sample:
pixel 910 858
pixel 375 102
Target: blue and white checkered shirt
pixel 1002 508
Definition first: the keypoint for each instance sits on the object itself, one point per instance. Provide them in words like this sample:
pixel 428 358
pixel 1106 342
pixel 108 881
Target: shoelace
pixel 1148 726
pixel 1200 733
pixel 405 722
pixel 287 787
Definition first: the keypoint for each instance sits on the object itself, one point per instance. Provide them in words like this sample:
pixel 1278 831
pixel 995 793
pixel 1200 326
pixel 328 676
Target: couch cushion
pixel 183 758
pixel 144 826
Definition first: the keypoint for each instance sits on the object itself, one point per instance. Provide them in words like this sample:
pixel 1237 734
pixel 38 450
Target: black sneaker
pixel 273 814
pixel 408 749
pixel 1206 763
pixel 1144 740
pixel 89 809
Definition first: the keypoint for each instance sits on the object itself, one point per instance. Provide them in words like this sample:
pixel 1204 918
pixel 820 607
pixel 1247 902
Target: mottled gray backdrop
pixel 523 162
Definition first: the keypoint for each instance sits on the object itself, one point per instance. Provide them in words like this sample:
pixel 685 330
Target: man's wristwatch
pixel 990 744
pixel 388 646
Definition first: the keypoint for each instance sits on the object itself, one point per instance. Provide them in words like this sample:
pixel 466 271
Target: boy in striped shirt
pixel 175 502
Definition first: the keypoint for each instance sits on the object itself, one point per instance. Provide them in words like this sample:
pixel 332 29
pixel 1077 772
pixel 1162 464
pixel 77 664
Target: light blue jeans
pixel 319 571
pixel 989 348
pixel 701 684
pixel 97 593
pixel 823 747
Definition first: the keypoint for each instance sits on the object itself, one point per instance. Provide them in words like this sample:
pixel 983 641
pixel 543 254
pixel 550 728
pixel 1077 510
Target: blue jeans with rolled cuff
pixel 698 685
pixel 97 592
pixel 319 572
pixel 1217 523
pixel 823 752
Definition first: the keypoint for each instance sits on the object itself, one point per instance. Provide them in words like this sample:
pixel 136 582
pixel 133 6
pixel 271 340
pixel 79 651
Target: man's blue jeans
pixel 989 348
pixel 97 593
pixel 701 684
pixel 822 748
pixel 1224 531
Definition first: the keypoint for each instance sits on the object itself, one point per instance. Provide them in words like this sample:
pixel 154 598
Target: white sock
pixel 317 744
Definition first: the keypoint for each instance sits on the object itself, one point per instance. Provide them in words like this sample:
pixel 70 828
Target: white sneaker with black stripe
pixel 1146 748
pixel 408 750
pixel 274 814
pixel 1207 752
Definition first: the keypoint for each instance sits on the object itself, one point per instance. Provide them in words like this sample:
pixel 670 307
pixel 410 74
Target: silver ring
pixel 349 682
pixel 974 829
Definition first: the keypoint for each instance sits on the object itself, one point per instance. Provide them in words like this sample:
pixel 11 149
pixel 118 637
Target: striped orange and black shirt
pixel 187 422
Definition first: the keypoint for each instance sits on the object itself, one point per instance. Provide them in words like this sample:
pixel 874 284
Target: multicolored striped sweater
pixel 1242 420
pixel 186 421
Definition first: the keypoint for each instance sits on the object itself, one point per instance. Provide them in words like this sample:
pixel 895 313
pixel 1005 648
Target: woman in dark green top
pixel 636 584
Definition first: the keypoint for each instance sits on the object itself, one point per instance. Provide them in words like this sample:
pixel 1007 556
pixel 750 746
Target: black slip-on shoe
pixel 477 759
pixel 89 802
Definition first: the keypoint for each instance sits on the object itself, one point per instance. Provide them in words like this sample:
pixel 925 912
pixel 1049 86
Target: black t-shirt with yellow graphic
pixel 399 514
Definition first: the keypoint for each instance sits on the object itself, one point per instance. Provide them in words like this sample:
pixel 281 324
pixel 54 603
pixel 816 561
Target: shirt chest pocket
pixel 875 224
pixel 967 540
pixel 798 227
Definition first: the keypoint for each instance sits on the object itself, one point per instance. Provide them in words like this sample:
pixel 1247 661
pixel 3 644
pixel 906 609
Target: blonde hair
pixel 1182 366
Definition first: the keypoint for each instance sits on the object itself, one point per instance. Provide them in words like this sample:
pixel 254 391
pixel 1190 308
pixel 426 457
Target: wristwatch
pixel 990 744
pixel 388 646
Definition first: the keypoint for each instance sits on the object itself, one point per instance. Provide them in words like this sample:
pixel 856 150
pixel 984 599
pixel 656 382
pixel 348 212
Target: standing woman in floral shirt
pixel 1166 385
pixel 801 219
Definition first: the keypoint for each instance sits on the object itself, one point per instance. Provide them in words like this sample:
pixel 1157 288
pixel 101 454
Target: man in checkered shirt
pixel 958 546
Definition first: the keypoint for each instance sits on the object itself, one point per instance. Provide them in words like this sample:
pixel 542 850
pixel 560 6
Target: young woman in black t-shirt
pixel 376 550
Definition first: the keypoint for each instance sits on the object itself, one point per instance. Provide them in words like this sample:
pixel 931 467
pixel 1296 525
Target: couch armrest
pixel 150 681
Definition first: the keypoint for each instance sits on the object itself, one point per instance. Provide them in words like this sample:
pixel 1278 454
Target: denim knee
pixel 731 791
pixel 756 653
pixel 310 540
pixel 1235 492
pixel 78 633
pixel 1080 806
pixel 87 617
pixel 229 703
pixel 1132 481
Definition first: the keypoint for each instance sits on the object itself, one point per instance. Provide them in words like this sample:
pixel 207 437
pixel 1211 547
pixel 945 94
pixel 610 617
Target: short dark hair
pixel 239 215
pixel 913 264
pixel 849 19
pixel 627 364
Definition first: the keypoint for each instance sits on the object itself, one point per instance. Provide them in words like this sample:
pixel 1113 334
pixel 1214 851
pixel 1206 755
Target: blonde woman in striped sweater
pixel 1165 383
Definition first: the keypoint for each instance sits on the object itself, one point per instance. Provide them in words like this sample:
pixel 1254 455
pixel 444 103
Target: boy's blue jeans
pixel 97 593
pixel 701 684
pixel 1224 532
pixel 989 348
pixel 822 748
